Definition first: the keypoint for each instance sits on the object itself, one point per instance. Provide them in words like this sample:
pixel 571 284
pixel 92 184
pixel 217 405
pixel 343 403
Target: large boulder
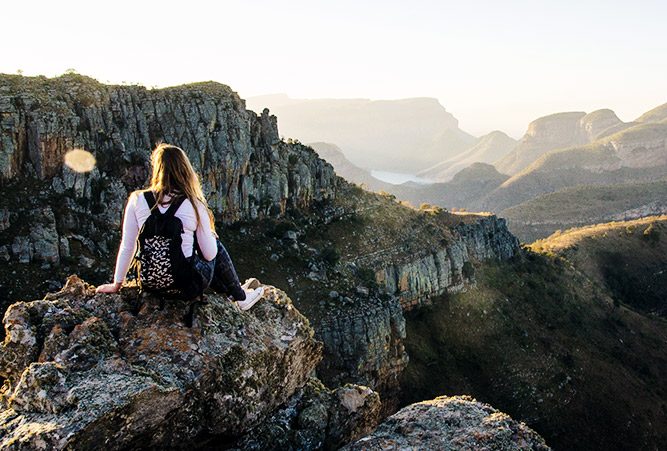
pixel 130 371
pixel 451 423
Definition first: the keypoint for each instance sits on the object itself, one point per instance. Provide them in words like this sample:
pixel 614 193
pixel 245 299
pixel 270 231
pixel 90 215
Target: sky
pixel 495 65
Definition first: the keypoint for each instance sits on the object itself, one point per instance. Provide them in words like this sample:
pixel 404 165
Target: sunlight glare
pixel 80 160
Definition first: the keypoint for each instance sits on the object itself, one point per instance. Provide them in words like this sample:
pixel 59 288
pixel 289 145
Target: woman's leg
pixel 225 279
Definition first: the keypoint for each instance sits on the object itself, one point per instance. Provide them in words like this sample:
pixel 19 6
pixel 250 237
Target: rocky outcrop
pixel 458 422
pixel 415 281
pixel 591 125
pixel 317 418
pixel 246 170
pixel 128 371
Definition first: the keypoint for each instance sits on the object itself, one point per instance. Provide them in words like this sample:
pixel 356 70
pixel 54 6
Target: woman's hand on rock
pixel 108 288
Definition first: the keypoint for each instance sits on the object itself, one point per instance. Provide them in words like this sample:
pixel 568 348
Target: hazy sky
pixel 493 64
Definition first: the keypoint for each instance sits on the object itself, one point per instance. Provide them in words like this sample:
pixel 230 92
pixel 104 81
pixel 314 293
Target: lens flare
pixel 80 160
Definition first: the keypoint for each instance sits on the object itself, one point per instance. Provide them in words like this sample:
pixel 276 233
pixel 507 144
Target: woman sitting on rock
pixel 179 251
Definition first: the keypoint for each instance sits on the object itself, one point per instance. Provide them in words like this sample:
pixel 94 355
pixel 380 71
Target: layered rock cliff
pixel 124 371
pixel 419 278
pixel 364 340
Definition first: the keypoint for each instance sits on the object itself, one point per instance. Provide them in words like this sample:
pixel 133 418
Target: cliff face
pixel 246 170
pixel 364 342
pixel 123 371
pixel 52 215
pixel 416 280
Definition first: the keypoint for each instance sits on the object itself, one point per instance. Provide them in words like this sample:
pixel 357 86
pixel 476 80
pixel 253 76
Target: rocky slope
pixel 451 423
pixel 487 149
pixel 124 371
pixel 391 135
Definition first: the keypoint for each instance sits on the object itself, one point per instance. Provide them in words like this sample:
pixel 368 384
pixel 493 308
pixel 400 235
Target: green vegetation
pixel 539 341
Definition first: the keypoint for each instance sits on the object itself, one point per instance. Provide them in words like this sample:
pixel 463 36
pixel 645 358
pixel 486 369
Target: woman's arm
pixel 127 247
pixel 205 236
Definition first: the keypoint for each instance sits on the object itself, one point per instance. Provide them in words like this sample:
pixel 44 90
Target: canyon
pixel 363 268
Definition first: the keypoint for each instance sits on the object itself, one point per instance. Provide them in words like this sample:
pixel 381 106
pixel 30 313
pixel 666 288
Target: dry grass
pixel 560 241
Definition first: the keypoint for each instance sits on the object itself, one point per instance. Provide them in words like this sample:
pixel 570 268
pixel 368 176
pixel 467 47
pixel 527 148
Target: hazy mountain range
pixel 406 135
pixel 596 152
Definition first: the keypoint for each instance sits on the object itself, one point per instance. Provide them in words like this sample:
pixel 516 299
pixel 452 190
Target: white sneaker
pixel 251 298
pixel 250 284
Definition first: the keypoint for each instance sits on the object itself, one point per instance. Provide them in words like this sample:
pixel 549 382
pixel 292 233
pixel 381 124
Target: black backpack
pixel 161 266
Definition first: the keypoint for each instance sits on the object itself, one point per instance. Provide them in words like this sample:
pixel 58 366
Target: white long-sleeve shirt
pixel 136 213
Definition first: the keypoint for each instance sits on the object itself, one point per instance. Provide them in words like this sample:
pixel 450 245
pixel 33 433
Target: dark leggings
pixel 219 273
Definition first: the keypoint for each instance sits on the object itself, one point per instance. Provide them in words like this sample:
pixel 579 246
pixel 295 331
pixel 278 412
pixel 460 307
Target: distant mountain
pixel 344 168
pixel 638 153
pixel 450 142
pixel 405 135
pixel 578 206
pixel 557 131
pixel 467 186
pixel 487 149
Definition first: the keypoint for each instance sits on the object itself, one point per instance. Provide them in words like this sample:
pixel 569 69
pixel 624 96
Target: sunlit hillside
pixel 627 258
pixel 584 205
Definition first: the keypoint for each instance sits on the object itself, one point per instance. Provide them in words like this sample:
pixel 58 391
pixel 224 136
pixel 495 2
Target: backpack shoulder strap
pixel 175 205
pixel 150 200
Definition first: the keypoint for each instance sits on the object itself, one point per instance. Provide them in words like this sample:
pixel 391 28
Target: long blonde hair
pixel 174 176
